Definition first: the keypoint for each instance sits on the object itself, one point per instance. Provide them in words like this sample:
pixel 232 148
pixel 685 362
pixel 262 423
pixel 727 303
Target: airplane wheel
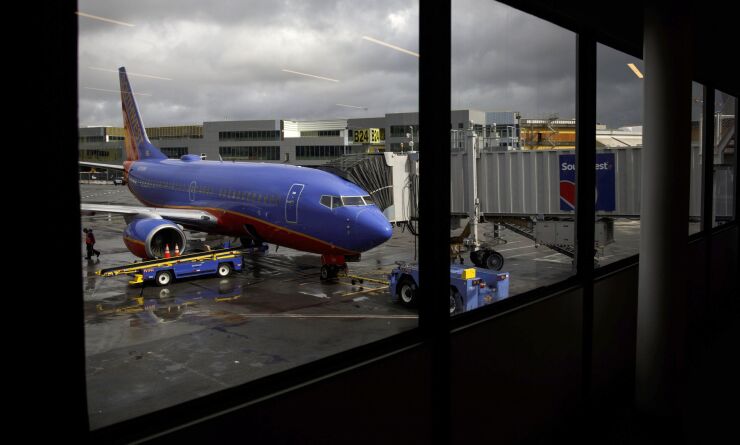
pixel 406 291
pixel 494 260
pixel 456 304
pixel 163 278
pixel 477 258
pixel 224 269
pixel 328 273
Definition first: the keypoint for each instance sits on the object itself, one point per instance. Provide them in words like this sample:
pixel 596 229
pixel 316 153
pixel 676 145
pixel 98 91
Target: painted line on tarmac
pixel 337 316
pixel 372 289
pixel 514 248
pixel 561 259
pixel 523 254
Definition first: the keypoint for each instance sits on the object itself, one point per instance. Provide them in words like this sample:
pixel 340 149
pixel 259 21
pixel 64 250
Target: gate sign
pixel 366 135
pixel 605 199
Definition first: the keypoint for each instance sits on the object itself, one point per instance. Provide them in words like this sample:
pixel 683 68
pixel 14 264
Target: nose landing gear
pixel 332 266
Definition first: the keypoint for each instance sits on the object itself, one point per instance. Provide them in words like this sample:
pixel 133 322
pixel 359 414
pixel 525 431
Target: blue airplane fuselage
pixel 282 204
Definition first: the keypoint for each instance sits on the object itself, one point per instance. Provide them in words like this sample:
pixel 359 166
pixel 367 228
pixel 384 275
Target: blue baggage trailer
pixel 164 270
pixel 470 287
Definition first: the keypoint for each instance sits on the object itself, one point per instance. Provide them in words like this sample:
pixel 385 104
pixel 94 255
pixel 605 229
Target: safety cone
pixel 177 250
pixel 167 251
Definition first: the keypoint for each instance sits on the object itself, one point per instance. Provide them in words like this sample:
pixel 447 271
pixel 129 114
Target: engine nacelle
pixel 147 238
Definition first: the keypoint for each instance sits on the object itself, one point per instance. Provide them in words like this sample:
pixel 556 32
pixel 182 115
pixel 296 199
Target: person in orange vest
pixel 90 244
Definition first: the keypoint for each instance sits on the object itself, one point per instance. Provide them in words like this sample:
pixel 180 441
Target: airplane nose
pixel 372 229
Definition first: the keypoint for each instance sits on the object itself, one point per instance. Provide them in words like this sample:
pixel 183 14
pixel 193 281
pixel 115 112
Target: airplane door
pixel 291 203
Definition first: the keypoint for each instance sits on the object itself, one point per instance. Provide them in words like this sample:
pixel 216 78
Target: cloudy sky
pixel 192 61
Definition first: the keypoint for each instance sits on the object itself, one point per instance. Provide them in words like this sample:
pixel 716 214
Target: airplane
pixel 297 207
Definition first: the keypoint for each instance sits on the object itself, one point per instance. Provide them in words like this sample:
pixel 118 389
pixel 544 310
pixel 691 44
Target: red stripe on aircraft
pixel 136 247
pixel 232 224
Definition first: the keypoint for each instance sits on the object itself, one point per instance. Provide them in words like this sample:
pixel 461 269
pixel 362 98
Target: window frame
pixel 435 325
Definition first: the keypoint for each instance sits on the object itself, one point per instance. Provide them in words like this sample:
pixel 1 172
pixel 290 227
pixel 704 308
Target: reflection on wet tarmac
pixel 90 275
pixel 165 304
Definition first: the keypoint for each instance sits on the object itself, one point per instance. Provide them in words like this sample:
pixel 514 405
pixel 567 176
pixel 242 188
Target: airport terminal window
pixel 175 152
pixel 725 150
pixel 98 155
pixel 400 131
pixel 253 153
pixel 91 139
pixel 507 63
pixel 320 133
pixel 697 142
pixel 163 345
pixel 255 135
pixel 321 151
pixel 619 98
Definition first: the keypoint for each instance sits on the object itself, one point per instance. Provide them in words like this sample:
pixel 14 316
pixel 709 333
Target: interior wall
pixel 518 376
pixel 723 276
pixel 388 399
pixel 711 382
pixel 614 339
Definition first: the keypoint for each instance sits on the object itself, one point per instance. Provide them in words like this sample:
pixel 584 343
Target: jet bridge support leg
pixel 481 255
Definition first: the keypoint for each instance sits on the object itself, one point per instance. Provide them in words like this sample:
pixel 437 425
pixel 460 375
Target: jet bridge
pixel 531 192
pixel 392 179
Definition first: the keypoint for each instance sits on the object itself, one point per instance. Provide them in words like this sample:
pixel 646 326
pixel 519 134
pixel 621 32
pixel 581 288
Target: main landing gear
pixel 332 266
pixel 487 258
pixel 253 246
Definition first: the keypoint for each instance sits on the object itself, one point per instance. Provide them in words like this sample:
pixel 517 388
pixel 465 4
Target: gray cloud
pixel 618 89
pixel 225 60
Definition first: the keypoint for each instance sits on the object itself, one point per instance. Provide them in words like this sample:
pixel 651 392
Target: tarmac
pixel 150 347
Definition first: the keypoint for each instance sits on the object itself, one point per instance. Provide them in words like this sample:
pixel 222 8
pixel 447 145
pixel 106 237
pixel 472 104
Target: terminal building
pixel 316 142
pixel 295 142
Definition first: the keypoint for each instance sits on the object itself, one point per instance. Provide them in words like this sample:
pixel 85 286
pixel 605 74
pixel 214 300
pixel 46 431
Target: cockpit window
pixel 333 202
pixel 353 201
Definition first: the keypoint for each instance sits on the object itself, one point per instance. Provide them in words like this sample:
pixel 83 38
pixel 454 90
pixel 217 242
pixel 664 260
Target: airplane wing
pixel 97 164
pixel 190 217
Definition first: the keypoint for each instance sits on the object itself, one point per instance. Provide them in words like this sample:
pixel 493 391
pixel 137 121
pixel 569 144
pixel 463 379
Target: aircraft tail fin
pixel 137 142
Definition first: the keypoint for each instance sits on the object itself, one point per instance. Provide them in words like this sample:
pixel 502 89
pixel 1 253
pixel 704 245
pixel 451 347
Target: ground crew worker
pixel 90 244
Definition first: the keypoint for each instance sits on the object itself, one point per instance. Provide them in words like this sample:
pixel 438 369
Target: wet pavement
pixel 150 347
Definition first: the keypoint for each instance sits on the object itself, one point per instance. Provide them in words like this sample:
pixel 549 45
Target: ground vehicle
pixel 470 287
pixel 163 271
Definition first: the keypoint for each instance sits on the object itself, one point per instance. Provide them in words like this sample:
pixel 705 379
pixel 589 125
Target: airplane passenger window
pixel 251 80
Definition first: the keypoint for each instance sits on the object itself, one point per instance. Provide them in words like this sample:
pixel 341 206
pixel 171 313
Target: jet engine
pixel 148 238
